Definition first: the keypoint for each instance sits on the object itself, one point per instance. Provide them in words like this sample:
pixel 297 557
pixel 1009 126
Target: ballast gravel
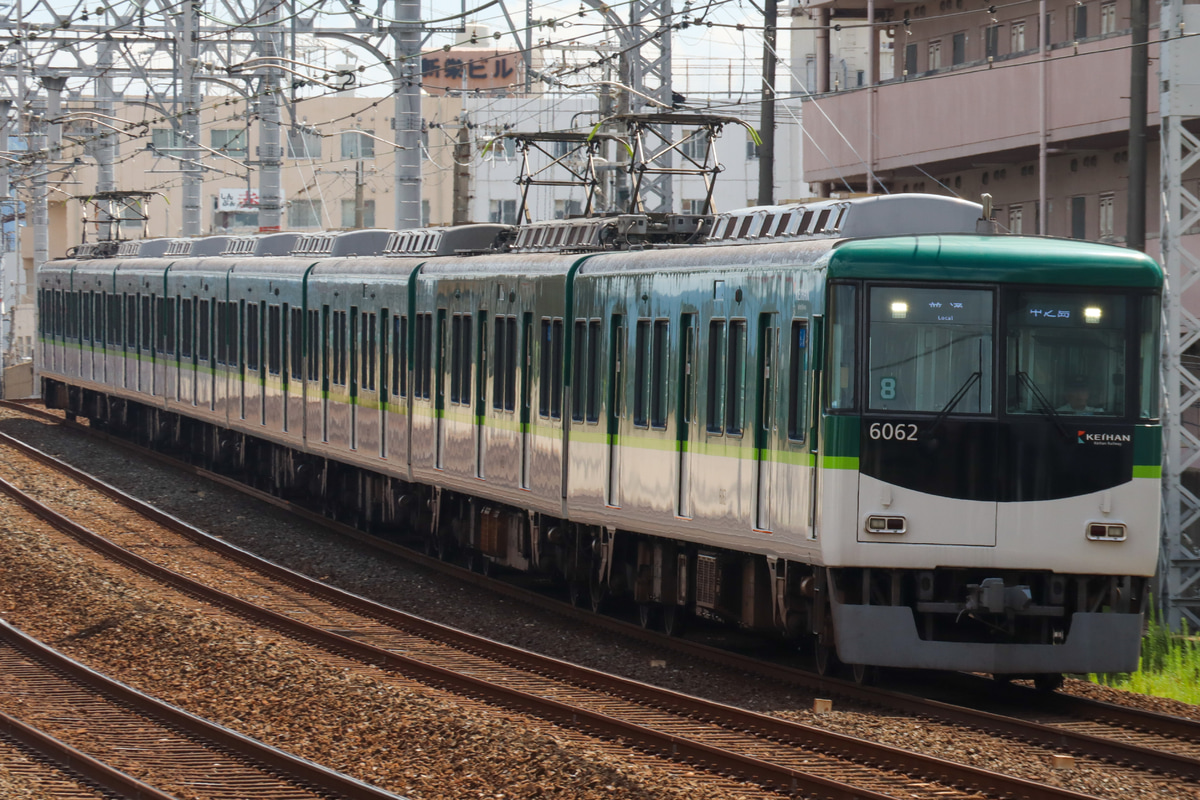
pixel 423 745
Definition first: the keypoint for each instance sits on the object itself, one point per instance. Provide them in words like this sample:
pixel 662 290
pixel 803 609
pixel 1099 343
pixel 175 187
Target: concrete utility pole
pixel 1135 229
pixel 1179 103
pixel 407 36
pixel 270 152
pixel 766 156
pixel 187 61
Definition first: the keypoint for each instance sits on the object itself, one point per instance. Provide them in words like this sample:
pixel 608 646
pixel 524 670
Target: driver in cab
pixel 1078 396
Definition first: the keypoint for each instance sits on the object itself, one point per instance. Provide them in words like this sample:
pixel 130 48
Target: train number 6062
pixel 900 431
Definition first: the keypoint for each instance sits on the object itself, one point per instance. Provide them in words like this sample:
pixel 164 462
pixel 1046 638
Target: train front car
pixel 992 453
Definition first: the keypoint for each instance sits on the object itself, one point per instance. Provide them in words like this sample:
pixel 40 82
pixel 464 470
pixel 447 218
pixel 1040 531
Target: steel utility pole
pixel 1179 103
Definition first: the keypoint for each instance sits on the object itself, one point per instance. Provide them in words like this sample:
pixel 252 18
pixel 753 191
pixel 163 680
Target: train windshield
pixel 930 350
pixel 1066 352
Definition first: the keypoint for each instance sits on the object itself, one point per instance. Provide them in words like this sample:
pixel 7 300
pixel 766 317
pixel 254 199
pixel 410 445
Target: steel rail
pixel 76 763
pixel 1046 735
pixel 770 727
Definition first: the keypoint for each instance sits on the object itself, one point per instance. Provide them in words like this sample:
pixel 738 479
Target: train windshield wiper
pixel 1043 402
pixel 954 401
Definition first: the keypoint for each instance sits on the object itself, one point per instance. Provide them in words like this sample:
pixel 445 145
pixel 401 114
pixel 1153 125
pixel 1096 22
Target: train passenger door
pixel 439 408
pixel 616 379
pixel 814 431
pixel 686 414
pixel 764 419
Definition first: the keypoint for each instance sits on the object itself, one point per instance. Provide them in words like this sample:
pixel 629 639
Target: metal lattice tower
pixel 1179 569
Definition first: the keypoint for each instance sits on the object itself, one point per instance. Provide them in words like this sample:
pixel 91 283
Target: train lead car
pixel 871 426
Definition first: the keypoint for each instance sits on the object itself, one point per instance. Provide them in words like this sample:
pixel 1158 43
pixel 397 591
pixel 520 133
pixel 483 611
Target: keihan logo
pixel 1083 437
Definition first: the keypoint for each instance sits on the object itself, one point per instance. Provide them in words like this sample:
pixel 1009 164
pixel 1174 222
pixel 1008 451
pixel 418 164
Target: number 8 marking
pixel 887 388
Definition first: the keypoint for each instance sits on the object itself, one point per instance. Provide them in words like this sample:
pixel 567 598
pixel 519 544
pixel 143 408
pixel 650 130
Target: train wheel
pixel 672 619
pixel 597 593
pixel 1048 681
pixel 576 592
pixel 864 674
pixel 646 614
pixel 826 659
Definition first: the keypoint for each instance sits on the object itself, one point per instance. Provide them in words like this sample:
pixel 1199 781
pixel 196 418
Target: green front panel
pixel 840 442
pixel 1147 451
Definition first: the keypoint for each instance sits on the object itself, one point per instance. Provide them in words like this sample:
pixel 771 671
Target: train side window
pixel 842 347
pixel 658 374
pixel 716 374
pixel 85 316
pixel 556 366
pixel 160 324
pixel 578 349
pixel 312 366
pixel 274 340
pixel 735 379
pixel 114 321
pixel 400 355
pixel 131 341
pixel 222 332
pixel 338 375
pixel 203 339
pixel 544 371
pixel 423 356
pixel 479 386
pixel 296 350
pixel 499 362
pixel 98 318
pixel 147 329
pixel 510 369
pixel 186 328
pixel 797 380
pixel 253 336
pixel 369 350
pixel 641 354
pixel 593 371
pixel 457 345
pixel 170 323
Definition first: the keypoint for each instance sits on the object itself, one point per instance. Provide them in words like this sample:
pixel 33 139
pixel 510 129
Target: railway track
pixel 106 733
pixel 764 750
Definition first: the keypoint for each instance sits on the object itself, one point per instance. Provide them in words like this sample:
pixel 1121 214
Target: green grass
pixel 1170 665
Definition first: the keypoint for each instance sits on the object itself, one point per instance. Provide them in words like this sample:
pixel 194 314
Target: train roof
pixel 1002 259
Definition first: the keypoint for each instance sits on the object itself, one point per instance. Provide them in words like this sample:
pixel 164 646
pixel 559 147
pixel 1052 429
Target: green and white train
pixel 872 426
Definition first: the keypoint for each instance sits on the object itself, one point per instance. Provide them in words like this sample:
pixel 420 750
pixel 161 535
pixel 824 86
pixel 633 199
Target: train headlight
pixel 899 309
pixel 1092 314
pixel 1105 532
pixel 886 524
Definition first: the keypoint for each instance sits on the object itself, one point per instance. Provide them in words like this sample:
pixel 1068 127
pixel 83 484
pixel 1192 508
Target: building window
pixel 935 55
pixel 1078 217
pixel 910 59
pixel 1016 37
pixel 305 213
pixel 991 41
pixel 502 211
pixel 1108 18
pixel 1106 216
pixel 566 209
pixel 695 207
pixel 960 48
pixel 230 142
pixel 1081 22
pixel 348 214
pixel 166 139
pixel 304 144
pixel 425 213
pixel 1015 224
pixel 752 148
pixel 695 146
pixel 355 146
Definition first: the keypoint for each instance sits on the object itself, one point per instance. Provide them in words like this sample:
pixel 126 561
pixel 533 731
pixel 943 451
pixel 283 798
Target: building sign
pixel 237 200
pixel 470 69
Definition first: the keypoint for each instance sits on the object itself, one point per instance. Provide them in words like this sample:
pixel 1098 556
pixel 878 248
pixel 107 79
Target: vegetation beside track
pixel 1169 667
